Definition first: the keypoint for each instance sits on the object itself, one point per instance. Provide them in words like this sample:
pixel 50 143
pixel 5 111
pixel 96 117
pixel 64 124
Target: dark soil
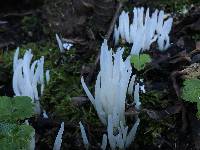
pixel 85 23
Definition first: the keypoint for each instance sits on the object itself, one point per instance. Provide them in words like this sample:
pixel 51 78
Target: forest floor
pixel 167 122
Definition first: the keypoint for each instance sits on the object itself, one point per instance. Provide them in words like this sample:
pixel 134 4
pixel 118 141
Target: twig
pixel 46 123
pixel 79 101
pixel 173 76
pixel 2 45
pixel 75 41
pixel 184 119
pixel 159 115
pixel 17 14
pixel 3 22
pixel 114 19
pixel 107 36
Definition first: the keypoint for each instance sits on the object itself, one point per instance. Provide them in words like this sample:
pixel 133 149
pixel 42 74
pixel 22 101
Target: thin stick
pixel 107 36
pixel 114 19
pixel 112 24
pixel 16 14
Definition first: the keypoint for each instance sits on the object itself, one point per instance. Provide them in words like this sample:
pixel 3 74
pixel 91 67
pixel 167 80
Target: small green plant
pixel 13 134
pixel 14 109
pixel 139 61
pixel 191 92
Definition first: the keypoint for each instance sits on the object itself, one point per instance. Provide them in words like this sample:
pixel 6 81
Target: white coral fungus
pixel 84 136
pixel 63 46
pixel 144 30
pixel 58 141
pixel 28 78
pixel 111 85
pixel 104 142
pixel 122 139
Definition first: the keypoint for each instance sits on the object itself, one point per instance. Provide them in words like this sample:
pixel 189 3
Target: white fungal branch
pixel 60 45
pixel 110 97
pixel 134 89
pixel 84 136
pixel 104 142
pixel 144 30
pixel 118 137
pixel 111 85
pixel 131 85
pixel 137 96
pixel 47 76
pixel 122 139
pixel 63 46
pixel 28 78
pixel 58 141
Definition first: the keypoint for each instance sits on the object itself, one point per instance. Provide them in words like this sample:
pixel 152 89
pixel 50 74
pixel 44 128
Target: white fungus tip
pixel 58 141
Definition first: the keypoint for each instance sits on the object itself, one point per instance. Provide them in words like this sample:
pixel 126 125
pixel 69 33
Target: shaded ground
pixel 34 24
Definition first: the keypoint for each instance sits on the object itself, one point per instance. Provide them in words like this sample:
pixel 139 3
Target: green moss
pixel 64 83
pixel 7 60
pixel 150 132
pixel 154 99
pixel 64 80
pixel 29 23
pixel 5 69
pixel 66 110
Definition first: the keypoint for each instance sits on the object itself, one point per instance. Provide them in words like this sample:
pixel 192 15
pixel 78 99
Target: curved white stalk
pixel 111 85
pixel 27 77
pixel 58 141
pixel 144 30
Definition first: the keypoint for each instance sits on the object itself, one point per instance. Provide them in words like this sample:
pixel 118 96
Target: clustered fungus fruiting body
pixel 112 82
pixel 114 79
pixel 28 79
pixel 111 85
pixel 144 30
pixel 110 96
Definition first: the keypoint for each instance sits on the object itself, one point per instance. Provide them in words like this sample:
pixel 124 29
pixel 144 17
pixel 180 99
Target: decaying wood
pixel 158 115
pixel 174 76
pixel 5 44
pixel 131 112
pixel 46 123
pixel 79 101
pixel 75 41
